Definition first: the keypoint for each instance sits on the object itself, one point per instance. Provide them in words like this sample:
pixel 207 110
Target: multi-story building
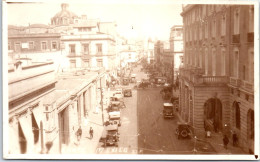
pixel 217 80
pixel 45 107
pixel 27 86
pixel 87 43
pixel 150 51
pixel 176 47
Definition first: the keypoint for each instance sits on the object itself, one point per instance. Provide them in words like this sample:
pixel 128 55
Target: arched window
pixel 250 124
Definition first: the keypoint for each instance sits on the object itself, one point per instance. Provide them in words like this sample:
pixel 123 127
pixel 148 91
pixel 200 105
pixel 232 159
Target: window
pixel 206 30
pixel 200 59
pixel 236 63
pixel 200 32
pixel 129 56
pixel 251 19
pixel 223 25
pixel 99 48
pixel 54 45
pixel 31 45
pixel 17 47
pixel 214 62
pixel 206 62
pixel 214 28
pixel 85 48
pixel 100 63
pixel 244 73
pixel 44 46
pixel 72 48
pixel 223 61
pixel 86 63
pixel 251 65
pixel 236 21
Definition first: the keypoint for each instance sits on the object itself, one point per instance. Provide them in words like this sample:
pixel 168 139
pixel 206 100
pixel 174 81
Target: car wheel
pixel 184 133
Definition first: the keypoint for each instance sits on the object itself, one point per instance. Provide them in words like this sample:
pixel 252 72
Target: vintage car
pixel 110 136
pixel 160 80
pixel 114 118
pixel 127 92
pixel 184 130
pixel 133 78
pixel 126 81
pixel 168 111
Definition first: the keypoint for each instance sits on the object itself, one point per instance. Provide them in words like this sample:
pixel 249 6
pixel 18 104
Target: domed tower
pixel 64 17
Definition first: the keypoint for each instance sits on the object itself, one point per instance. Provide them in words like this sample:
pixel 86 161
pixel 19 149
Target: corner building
pixel 217 79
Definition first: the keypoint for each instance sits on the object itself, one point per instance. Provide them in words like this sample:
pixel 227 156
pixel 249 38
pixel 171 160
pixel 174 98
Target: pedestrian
pixel 235 139
pixel 79 133
pixel 208 133
pixel 225 141
pixel 91 132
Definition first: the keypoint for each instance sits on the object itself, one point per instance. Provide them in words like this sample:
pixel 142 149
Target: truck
pixel 168 111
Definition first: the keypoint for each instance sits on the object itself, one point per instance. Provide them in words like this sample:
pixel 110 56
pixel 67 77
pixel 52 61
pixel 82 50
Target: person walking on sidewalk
pixel 235 139
pixel 91 132
pixel 225 141
pixel 79 133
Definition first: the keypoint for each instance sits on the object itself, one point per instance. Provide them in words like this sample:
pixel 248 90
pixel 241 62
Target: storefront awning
pixel 26 125
pixel 38 115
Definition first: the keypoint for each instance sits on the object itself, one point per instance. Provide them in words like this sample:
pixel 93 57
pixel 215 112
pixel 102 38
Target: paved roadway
pixel 144 130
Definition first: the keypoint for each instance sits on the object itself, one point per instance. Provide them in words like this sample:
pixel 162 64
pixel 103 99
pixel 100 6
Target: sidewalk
pixel 215 140
pixel 86 145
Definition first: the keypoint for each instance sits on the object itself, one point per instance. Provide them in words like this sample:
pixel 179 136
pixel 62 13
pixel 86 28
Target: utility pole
pixel 101 102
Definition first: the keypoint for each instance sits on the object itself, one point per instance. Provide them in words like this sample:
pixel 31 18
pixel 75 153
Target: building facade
pixel 217 80
pixel 176 47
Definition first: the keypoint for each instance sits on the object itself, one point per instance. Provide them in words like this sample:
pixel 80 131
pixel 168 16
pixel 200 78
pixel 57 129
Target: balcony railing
pixel 236 38
pixel 250 37
pixel 214 79
pixel 195 76
pixel 247 85
pixel 234 81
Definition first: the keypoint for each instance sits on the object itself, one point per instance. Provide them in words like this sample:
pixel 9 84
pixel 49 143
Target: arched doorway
pixel 250 130
pixel 236 109
pixel 213 114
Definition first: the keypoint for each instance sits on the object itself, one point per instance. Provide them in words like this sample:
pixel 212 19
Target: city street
pixel 144 130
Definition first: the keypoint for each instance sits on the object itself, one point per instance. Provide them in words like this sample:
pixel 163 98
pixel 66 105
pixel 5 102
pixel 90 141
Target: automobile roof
pixel 167 104
pixel 111 127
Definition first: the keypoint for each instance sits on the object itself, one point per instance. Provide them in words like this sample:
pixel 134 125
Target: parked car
pixel 184 130
pixel 114 118
pixel 126 81
pixel 128 92
pixel 168 111
pixel 110 136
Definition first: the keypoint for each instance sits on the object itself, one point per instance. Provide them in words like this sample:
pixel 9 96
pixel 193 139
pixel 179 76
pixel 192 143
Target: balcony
pixel 234 81
pixel 247 86
pixel 195 76
pixel 236 38
pixel 250 37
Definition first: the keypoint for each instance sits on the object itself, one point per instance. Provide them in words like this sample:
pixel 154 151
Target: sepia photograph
pixel 130 79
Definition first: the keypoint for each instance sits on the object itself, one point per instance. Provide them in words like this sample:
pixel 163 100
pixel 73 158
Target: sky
pixel 137 19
